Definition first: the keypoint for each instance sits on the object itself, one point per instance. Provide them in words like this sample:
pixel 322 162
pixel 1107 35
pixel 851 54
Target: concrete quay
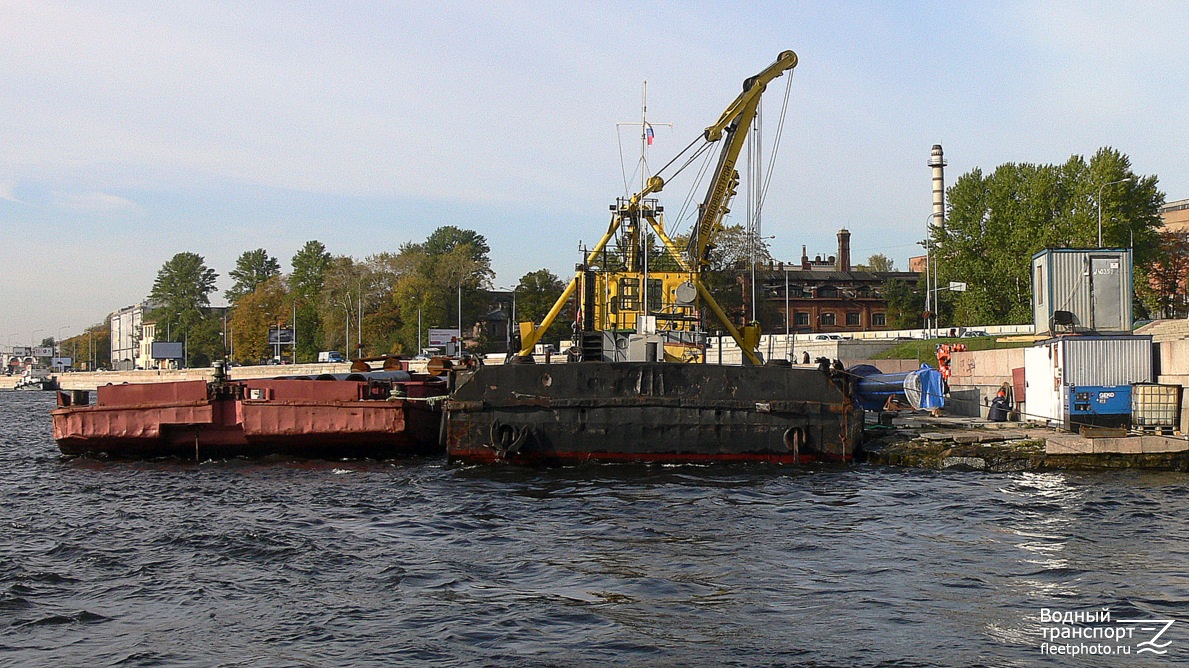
pixel 968 443
pixel 82 380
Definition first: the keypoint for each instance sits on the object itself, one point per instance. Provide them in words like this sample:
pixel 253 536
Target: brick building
pixel 826 294
pixel 1175 216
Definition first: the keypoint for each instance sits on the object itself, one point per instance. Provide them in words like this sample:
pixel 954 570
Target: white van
pixel 330 357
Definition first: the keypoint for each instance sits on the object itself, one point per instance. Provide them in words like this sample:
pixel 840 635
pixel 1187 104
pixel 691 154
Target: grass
pixel 926 350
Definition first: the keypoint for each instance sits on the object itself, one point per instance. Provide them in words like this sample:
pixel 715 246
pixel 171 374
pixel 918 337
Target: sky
pixel 133 131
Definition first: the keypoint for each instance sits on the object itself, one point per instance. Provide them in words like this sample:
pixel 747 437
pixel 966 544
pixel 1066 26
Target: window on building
pixel 827 291
pixel 800 318
pixel 829 319
pixel 879 320
pixel 852 319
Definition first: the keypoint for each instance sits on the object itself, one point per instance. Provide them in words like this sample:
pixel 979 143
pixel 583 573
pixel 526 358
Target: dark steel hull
pixel 651 412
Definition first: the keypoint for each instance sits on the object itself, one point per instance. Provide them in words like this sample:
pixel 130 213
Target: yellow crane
pixel 629 285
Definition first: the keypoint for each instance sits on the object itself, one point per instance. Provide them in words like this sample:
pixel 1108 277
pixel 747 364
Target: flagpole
pixel 644 184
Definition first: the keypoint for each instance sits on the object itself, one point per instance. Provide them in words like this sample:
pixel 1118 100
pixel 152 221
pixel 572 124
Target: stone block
pixel 1157 444
pixel 1068 446
pixel 1128 445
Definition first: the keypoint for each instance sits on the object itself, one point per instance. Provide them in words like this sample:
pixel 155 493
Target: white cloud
pixel 7 192
pixel 96 202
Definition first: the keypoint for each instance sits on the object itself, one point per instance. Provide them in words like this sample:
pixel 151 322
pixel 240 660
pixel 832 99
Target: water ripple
pixel 303 563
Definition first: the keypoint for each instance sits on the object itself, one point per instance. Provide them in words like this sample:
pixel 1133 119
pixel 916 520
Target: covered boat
pixel 387 415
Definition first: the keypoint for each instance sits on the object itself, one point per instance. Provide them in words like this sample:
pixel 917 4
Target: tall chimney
pixel 843 250
pixel 937 162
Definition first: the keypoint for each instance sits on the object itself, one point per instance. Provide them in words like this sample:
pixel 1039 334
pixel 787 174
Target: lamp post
pixel 58 344
pixel 359 321
pixel 787 317
pixel 346 328
pixel 1100 189
pixel 930 273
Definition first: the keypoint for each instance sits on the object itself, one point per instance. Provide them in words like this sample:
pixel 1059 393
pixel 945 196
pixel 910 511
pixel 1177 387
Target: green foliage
pixel 309 265
pixel 1168 275
pixel 997 222
pixel 251 269
pixel 266 306
pixel 925 350
pixel 204 342
pixel 94 344
pixel 536 293
pixel 305 283
pixel 182 293
pixel 727 274
pixel 429 277
pixel 877 262
pixel 906 303
pixel 448 239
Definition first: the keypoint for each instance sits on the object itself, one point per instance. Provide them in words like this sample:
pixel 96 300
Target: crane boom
pixel 734 123
pixel 618 299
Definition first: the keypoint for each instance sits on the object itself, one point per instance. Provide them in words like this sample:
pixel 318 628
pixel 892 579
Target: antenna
pixel 646 138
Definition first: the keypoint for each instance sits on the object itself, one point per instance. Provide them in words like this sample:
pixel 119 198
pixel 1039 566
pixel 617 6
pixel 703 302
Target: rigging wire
pixel 622 164
pixel 763 194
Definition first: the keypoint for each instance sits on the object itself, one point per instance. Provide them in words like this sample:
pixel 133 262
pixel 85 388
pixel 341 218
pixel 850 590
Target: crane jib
pixel 624 288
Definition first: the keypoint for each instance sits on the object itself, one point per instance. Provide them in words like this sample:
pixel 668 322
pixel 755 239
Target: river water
pixel 359 563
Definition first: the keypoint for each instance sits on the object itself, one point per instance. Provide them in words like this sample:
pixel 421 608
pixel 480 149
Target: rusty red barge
pixel 379 415
pixel 652 412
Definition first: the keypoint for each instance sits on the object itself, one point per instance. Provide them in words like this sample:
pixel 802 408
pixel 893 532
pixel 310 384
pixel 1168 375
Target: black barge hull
pixel 651 412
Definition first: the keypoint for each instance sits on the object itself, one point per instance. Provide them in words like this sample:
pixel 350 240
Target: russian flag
pixel 648 133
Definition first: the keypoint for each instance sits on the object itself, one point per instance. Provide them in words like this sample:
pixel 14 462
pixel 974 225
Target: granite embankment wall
pixel 1172 360
pixel 976 376
pixel 76 380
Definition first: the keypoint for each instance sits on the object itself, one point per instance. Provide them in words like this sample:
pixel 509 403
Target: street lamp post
pixel 359 322
pixel 346 329
pixel 1100 189
pixel 58 344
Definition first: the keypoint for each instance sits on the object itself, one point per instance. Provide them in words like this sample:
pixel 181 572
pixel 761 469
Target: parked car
pixel 973 333
pixel 829 337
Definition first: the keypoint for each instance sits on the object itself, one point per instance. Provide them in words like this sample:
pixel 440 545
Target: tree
pixel 309 265
pixel 256 312
pixel 536 293
pixel 251 269
pixel 338 306
pixel 452 262
pixel 181 292
pixel 93 345
pixel 727 275
pixel 997 222
pixel 305 282
pixel 878 263
pixel 1168 275
pixel 905 304
pixel 447 239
